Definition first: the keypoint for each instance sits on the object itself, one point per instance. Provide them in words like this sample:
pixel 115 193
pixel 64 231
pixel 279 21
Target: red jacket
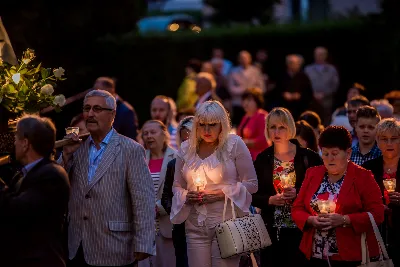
pixel 253 128
pixel 359 194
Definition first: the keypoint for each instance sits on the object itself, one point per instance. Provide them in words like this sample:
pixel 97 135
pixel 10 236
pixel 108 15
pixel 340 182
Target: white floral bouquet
pixel 27 87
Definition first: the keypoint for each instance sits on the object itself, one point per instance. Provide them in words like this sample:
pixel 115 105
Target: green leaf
pixel 44 73
pixel 30 72
pixel 23 71
pixel 38 68
pixel 12 71
pixel 24 89
pixel 27 82
pixel 11 89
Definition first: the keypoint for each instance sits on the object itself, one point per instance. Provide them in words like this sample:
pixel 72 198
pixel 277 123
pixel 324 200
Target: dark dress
pixel 285 251
pixel 391 228
pixel 178 230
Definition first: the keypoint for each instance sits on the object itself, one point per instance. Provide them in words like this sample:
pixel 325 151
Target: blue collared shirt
pixel 29 166
pixel 96 155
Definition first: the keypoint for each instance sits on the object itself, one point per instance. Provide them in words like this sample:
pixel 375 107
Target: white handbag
pixel 241 235
pixel 384 260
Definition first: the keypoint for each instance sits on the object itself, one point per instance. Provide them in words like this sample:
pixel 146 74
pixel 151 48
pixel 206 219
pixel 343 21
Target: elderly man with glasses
pixel 111 208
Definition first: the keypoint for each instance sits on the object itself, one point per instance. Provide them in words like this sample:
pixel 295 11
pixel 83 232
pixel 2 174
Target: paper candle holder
pixel 390 184
pixel 326 206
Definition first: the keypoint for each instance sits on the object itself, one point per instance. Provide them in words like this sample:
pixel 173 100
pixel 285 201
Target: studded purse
pixel 241 235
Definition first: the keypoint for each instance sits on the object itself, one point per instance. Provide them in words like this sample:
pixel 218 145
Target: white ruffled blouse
pixel 232 171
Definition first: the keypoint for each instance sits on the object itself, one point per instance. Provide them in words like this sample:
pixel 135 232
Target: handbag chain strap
pixel 233 209
pixel 364 246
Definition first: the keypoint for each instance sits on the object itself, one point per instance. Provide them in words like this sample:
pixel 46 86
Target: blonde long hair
pixel 210 112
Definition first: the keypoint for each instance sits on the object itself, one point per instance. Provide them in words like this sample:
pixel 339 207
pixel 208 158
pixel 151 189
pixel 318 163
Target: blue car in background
pixel 172 23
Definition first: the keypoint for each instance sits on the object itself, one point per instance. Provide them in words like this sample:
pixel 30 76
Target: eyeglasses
pixel 96 109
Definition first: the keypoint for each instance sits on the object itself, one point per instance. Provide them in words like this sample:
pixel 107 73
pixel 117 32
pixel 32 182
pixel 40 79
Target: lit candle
pixel 286 181
pixel 390 184
pixel 198 182
pixel 326 206
pixel 323 208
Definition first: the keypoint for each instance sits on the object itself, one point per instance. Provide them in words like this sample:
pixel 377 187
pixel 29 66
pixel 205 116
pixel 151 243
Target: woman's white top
pixel 230 169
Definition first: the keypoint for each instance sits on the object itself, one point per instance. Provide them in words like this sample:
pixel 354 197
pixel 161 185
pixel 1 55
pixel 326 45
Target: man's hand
pixel 139 256
pixel 68 150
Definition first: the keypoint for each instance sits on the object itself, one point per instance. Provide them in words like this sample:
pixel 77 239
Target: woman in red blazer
pixel 251 128
pixel 336 236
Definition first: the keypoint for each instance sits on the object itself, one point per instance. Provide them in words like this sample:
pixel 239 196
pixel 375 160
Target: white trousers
pixel 202 248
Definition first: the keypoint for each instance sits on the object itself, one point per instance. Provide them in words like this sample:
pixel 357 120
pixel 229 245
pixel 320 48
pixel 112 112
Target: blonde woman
pixel 222 164
pixel 285 158
pixel 158 153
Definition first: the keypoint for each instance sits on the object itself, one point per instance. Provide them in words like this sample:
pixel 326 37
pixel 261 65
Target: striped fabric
pixel 155 169
pixel 113 216
pixel 156 180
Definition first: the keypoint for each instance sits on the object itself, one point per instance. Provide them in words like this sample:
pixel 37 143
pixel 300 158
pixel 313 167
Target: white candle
pixel 198 182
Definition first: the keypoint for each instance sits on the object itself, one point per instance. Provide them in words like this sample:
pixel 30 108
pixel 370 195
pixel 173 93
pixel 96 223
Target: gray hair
pixel 385 109
pixel 40 133
pixel 110 99
pixel 386 126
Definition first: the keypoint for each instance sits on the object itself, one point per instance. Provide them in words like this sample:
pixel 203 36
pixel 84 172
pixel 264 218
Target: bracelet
pixel 344 221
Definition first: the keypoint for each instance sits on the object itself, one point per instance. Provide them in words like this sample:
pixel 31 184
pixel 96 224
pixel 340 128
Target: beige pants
pixel 165 254
pixel 202 248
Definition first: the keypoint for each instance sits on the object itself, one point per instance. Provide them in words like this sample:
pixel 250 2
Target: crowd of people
pixel 154 196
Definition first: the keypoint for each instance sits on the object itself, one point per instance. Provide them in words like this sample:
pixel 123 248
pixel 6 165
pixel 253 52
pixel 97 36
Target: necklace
pixel 391 169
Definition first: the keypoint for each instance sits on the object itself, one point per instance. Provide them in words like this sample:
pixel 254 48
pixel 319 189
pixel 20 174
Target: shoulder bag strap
pixel 364 246
pixel 364 250
pixel 233 209
pixel 382 249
